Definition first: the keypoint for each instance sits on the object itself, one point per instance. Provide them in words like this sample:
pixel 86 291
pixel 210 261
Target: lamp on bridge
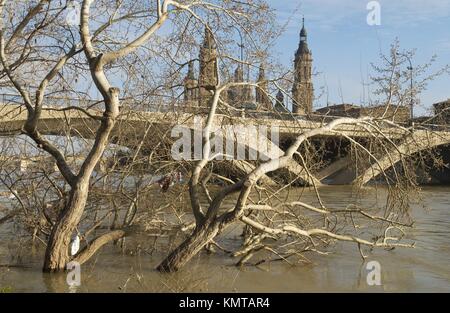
pixel 411 69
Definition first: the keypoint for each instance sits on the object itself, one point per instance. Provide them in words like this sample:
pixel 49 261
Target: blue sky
pixel 344 45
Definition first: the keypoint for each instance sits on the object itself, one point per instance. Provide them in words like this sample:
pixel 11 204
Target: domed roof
pixel 303 32
pixel 303 46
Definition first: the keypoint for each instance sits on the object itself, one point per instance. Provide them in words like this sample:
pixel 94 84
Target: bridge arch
pixel 414 143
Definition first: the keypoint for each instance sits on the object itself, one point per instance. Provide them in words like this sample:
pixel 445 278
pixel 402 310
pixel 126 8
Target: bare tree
pixel 37 45
pixel 39 24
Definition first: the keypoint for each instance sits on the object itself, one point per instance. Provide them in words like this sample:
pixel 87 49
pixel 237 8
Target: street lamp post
pixel 241 46
pixel 242 49
pixel 241 65
pixel 411 69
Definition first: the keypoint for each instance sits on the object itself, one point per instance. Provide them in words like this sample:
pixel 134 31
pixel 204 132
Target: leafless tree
pixel 128 62
pixel 37 45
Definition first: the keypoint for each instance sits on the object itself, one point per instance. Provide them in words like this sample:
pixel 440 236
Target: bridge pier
pixel 333 168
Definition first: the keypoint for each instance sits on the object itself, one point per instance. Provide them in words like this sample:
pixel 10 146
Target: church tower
pixel 238 96
pixel 208 76
pixel 191 87
pixel 262 99
pixel 303 91
pixel 279 103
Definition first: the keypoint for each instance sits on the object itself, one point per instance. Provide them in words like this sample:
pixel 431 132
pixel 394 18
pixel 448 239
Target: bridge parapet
pixel 295 122
pixel 16 115
pixel 56 120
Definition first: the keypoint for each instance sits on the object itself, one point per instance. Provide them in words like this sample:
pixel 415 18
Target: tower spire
pixel 208 40
pixel 262 91
pixel 208 76
pixel 303 33
pixel 190 86
pixel 191 74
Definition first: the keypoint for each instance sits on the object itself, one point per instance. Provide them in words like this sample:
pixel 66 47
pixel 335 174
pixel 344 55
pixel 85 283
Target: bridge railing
pixel 433 127
pixel 12 99
pixel 58 102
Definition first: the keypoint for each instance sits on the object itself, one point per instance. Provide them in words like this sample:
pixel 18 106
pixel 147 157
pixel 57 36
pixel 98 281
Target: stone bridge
pixel 137 127
pixel 416 142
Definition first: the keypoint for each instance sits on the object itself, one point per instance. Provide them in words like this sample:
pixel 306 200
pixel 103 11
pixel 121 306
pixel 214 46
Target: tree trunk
pixel 190 247
pixel 57 252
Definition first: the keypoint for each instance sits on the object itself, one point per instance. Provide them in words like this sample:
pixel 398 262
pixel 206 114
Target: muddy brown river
pixel 426 268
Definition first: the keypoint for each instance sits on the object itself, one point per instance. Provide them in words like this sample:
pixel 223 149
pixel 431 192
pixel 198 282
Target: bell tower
pixel 262 99
pixel 208 76
pixel 191 87
pixel 303 90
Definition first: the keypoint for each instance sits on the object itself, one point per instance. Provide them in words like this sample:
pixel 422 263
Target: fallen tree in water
pixel 282 227
pixel 268 223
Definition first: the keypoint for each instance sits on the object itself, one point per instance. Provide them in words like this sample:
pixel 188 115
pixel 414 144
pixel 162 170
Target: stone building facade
pixel 442 112
pixel 399 114
pixel 344 110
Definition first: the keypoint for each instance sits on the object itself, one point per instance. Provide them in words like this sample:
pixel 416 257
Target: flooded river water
pixel 424 268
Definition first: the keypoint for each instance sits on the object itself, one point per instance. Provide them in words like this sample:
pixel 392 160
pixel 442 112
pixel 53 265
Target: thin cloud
pixel 331 14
